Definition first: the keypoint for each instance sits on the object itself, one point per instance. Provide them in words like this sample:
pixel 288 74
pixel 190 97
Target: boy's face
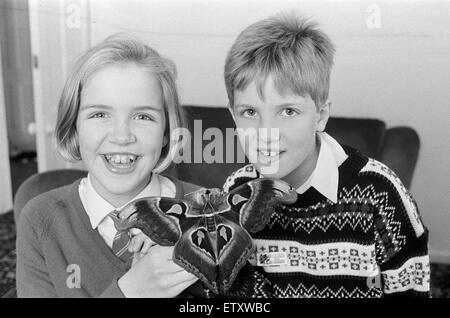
pixel 120 129
pixel 284 143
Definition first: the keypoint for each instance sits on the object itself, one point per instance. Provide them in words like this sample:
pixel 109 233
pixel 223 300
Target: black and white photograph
pixel 241 150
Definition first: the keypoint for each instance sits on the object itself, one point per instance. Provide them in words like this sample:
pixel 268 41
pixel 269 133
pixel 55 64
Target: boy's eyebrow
pixel 242 106
pixel 137 108
pixel 296 103
pixel 277 106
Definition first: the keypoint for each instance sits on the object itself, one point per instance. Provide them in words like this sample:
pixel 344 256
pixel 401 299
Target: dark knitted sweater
pixel 371 243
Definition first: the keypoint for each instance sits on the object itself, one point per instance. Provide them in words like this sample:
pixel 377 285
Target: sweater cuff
pixel 112 291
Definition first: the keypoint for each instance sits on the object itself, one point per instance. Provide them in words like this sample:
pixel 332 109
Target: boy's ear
pixel 324 114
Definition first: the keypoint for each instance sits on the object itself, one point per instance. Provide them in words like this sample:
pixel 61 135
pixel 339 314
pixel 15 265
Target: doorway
pixel 16 62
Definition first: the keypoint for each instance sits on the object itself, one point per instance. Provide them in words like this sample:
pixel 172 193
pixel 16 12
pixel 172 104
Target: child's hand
pixel 156 275
pixel 139 245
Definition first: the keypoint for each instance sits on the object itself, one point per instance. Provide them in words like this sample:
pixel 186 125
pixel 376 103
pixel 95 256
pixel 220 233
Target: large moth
pixel 209 227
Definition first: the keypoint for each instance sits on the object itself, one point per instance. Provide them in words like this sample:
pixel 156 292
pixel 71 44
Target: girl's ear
pixel 324 115
pixel 165 140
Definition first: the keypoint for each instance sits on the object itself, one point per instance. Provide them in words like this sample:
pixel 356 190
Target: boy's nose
pixel 268 131
pixel 122 134
pixel 267 122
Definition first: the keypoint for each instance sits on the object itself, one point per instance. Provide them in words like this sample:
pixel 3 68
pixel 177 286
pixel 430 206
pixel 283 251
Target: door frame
pixel 6 197
pixel 57 16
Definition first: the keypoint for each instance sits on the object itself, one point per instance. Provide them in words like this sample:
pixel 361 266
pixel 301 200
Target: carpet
pixel 7 252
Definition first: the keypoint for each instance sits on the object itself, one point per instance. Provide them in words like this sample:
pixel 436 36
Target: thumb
pixel 134 231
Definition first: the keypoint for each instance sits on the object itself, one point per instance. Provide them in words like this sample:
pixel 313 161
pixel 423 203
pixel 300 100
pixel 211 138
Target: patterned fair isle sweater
pixel 371 243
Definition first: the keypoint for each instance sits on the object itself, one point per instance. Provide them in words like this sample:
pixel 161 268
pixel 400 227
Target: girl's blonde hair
pixel 117 49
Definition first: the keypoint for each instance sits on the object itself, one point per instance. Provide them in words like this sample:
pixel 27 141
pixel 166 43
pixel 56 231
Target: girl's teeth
pixel 121 159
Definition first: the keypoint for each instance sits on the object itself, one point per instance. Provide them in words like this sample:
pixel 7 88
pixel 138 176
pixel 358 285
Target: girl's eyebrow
pixel 89 106
pixel 148 107
pixel 137 108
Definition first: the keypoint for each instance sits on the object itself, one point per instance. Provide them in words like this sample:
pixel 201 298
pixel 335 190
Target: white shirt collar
pixel 98 208
pixel 325 177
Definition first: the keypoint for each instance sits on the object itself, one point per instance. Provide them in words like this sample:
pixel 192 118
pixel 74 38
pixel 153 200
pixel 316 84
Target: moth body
pixel 211 224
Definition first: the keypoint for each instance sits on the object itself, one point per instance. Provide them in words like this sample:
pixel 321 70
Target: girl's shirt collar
pixel 98 208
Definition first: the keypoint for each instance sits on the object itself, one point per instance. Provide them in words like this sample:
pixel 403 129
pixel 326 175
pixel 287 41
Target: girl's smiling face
pixel 120 126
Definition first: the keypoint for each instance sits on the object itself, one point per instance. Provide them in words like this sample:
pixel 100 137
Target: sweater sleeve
pixel 112 291
pixel 32 277
pixel 401 239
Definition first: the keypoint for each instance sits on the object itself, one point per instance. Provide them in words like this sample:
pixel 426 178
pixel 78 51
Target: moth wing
pixel 196 253
pixel 256 200
pixel 214 257
pixel 234 247
pixel 156 217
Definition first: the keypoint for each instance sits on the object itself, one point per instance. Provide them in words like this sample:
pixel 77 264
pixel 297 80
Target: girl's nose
pixel 121 134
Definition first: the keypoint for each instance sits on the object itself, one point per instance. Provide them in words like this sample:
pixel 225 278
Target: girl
pixel 115 114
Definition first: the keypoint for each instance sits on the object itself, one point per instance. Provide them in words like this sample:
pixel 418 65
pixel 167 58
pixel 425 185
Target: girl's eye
pixel 98 115
pixel 289 112
pixel 144 117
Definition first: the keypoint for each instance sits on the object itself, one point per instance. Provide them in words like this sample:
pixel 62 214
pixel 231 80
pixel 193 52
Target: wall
pixel 16 61
pixel 392 63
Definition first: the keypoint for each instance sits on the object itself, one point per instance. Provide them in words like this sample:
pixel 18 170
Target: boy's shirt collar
pixel 325 177
pixel 98 208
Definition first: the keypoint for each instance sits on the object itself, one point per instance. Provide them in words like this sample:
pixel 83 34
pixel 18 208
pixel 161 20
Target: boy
pixel 355 230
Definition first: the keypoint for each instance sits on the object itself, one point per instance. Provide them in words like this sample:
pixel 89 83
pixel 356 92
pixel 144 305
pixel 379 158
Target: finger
pixel 135 259
pixel 161 263
pixel 131 246
pixel 146 245
pixel 170 268
pixel 144 237
pixel 180 281
pixel 135 231
pixel 174 280
pixel 181 278
pixel 161 252
pixel 136 243
pixel 139 243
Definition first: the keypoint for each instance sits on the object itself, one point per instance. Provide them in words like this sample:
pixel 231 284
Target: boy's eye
pixel 248 113
pixel 289 112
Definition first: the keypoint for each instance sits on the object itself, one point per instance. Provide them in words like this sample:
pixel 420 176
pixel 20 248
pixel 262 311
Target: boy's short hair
pixel 117 49
pixel 292 49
